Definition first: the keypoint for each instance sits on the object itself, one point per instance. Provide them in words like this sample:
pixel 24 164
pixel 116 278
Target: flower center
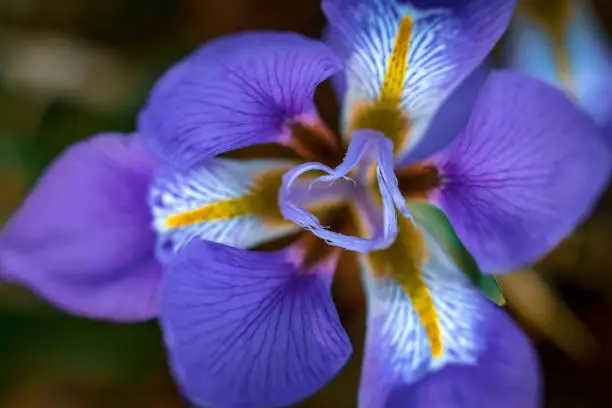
pixel 368 149
pixel 364 177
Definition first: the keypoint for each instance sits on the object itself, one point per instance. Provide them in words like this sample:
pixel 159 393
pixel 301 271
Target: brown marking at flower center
pixel 417 181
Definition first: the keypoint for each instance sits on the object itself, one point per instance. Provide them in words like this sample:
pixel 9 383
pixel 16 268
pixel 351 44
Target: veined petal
pixel 83 237
pixel 449 39
pixel 527 169
pixel 484 359
pixel 366 149
pixel 232 202
pixel 506 374
pixel 250 329
pixel 573 54
pixel 450 119
pixel 235 92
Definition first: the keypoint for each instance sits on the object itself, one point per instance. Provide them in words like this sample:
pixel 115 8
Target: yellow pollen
pixel 259 201
pixel 402 261
pixel 393 85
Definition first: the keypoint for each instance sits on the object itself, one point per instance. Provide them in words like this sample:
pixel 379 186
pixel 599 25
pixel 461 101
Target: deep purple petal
pixel 249 329
pixel 234 92
pixel 483 354
pixel 83 238
pixel 449 40
pixel 527 169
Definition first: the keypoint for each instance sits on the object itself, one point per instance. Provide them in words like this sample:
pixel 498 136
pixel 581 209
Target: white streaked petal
pixel 219 179
pixel 447 44
pixel 397 346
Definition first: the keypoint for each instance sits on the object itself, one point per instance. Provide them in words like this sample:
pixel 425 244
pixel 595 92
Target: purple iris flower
pixel 236 256
pixel 564 43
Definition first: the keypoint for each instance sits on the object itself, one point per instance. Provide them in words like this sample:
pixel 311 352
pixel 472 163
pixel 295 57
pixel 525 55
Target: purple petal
pixel 366 148
pixel 450 119
pixel 235 92
pixel 83 238
pixel 525 172
pixel 249 329
pixel 449 40
pixel 484 355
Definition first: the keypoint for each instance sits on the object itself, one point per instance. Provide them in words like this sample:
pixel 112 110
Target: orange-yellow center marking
pixel 260 201
pixel 393 84
pixel 385 114
pixel 403 261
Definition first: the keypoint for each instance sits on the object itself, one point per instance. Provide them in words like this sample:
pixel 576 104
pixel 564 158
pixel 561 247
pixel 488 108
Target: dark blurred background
pixel 72 68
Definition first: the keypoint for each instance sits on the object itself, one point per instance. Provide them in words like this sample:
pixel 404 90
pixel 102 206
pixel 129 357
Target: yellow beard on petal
pixel 403 261
pixel 385 114
pixel 261 201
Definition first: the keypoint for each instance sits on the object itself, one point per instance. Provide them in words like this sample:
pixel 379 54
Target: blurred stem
pixel 537 305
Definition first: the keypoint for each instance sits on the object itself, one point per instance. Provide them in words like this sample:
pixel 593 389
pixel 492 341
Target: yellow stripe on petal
pixel 403 261
pixel 385 114
pixel 261 201
pixel 393 85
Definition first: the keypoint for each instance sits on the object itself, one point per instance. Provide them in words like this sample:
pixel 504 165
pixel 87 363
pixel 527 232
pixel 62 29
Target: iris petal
pixel 527 169
pixel 449 40
pixel 216 183
pixel 83 237
pixel 249 329
pixel 235 92
pixel 479 342
pixel 506 375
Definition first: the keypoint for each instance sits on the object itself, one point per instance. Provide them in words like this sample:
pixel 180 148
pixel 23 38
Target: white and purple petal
pixel 506 374
pixel 83 237
pixel 234 92
pixel 449 40
pixel 485 359
pixel 524 173
pixel 250 329
pixel 217 180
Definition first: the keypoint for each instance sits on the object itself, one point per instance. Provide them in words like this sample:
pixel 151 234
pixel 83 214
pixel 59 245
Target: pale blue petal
pixel 589 55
